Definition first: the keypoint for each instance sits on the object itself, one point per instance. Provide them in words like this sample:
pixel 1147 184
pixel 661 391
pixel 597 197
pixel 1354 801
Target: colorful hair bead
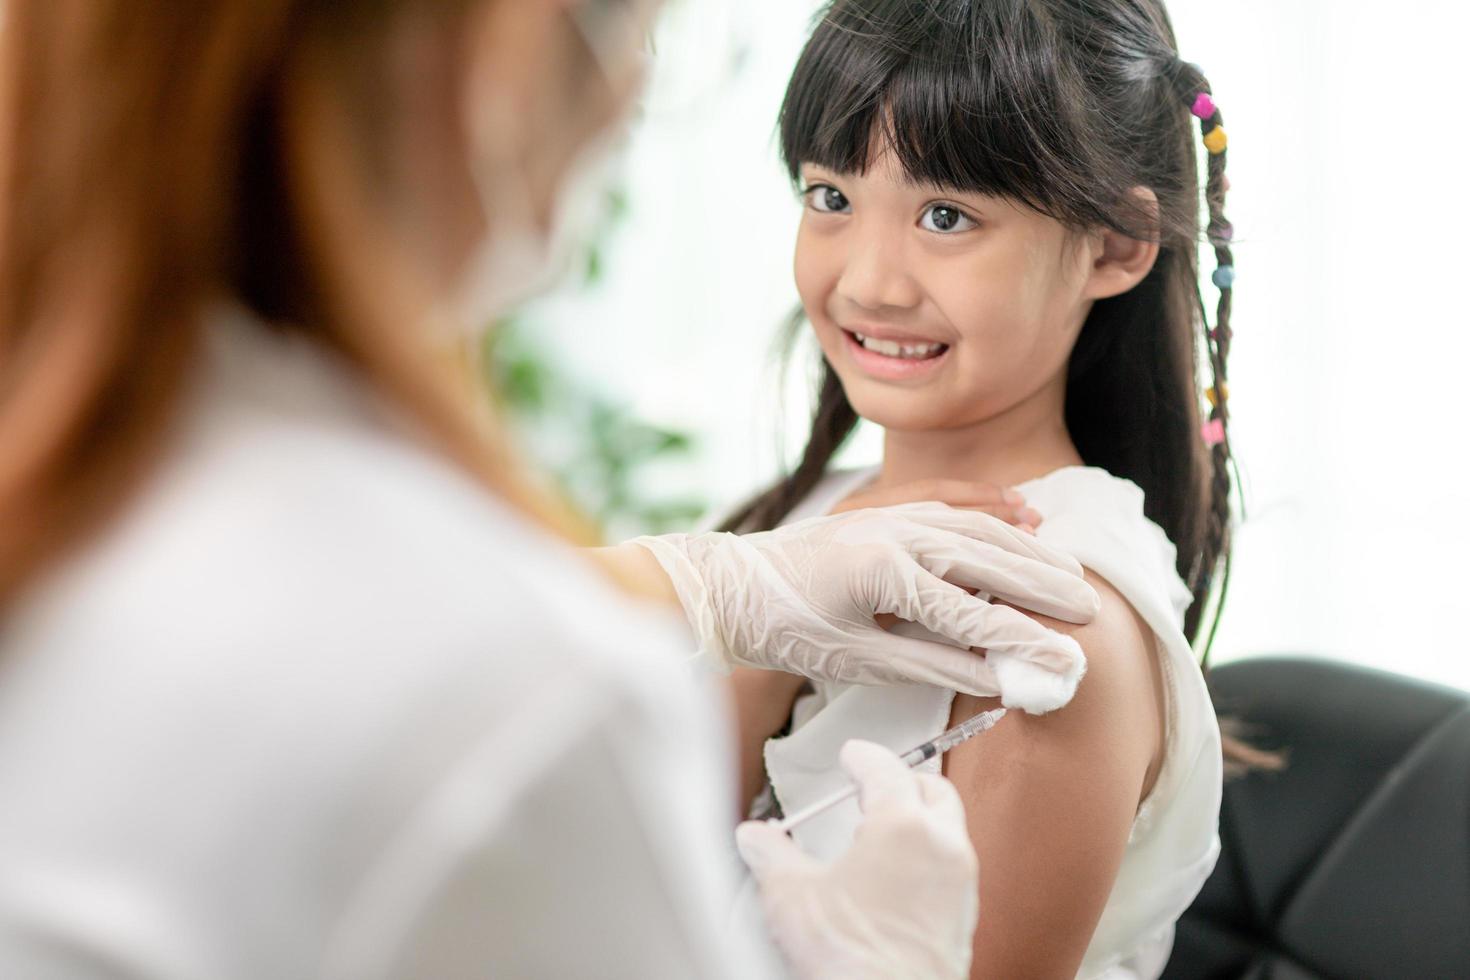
pixel 1213 432
pixel 1224 276
pixel 1223 395
pixel 1216 141
pixel 1222 233
pixel 1204 106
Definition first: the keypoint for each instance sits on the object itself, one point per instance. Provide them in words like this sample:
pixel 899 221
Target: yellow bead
pixel 1215 140
pixel 1214 400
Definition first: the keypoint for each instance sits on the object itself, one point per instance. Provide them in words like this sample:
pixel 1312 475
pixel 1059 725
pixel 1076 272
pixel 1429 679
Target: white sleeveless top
pixel 1099 520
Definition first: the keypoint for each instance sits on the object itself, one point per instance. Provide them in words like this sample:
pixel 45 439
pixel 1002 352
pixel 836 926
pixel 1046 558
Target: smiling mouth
pixel 898 351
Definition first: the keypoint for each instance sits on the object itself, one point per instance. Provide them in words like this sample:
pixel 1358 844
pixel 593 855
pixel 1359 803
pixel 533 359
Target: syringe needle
pixel 940 744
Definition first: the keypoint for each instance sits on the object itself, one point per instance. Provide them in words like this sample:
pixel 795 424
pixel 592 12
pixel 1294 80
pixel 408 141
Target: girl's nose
pixel 876 275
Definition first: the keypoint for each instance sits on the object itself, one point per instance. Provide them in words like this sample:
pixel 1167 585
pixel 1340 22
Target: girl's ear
pixel 1119 263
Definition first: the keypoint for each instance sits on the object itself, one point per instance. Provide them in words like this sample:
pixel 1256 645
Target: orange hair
pixel 156 157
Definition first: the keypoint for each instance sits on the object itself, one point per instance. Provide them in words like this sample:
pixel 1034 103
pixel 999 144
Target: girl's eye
pixel 826 199
pixel 946 219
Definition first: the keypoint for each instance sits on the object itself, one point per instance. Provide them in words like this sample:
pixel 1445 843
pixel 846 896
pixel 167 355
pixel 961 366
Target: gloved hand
pixel 803 598
pixel 901 903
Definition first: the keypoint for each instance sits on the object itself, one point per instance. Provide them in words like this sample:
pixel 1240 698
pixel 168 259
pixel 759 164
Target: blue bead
pixel 1224 276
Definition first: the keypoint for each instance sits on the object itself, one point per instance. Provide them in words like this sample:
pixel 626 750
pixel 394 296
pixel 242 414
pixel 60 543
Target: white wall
pixel 1350 355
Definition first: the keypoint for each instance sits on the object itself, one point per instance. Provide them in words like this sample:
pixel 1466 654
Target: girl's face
pixel 937 309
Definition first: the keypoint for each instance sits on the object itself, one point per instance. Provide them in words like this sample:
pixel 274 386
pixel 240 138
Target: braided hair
pixel 1220 234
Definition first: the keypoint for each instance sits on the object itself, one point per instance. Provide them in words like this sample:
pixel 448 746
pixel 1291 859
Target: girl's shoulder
pixel 1099 519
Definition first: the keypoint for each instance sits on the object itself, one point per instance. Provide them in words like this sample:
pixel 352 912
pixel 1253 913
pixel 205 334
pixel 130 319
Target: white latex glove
pixel 901 903
pixel 803 598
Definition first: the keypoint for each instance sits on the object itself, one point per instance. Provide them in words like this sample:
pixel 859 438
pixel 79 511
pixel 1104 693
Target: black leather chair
pixel 1353 862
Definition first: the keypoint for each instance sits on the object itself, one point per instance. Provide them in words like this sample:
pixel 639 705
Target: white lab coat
pixel 316 707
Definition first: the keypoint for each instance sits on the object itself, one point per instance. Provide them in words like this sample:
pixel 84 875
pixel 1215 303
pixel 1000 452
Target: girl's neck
pixel 1022 443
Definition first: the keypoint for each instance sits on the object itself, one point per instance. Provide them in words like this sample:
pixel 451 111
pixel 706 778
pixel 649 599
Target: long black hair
pixel 1065 106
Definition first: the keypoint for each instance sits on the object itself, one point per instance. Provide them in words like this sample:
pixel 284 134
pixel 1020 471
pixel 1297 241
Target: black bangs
pixel 961 92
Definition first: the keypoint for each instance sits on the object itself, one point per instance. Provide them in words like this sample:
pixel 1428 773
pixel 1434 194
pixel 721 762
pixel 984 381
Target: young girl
pixel 999 259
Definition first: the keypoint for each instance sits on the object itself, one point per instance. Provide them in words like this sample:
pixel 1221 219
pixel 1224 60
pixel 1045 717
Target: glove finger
pixel 963 619
pixel 766 849
pixel 883 780
pixel 1018 579
pixel 942 799
pixel 980 526
pixel 948 828
pixel 910 660
pixel 954 614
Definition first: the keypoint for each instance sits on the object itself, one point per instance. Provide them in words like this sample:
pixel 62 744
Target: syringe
pixel 939 745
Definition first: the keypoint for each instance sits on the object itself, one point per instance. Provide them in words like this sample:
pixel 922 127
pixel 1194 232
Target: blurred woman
pixel 299 674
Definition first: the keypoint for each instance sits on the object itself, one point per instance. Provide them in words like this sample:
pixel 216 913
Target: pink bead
pixel 1204 106
pixel 1213 432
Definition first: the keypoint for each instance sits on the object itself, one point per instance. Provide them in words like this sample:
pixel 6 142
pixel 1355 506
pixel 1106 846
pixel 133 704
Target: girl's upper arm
pixel 762 701
pixel 1050 800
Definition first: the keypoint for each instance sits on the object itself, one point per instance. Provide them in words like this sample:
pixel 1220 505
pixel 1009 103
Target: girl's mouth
pixel 891 360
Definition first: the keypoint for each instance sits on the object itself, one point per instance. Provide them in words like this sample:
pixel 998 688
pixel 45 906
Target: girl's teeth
pixel 890 348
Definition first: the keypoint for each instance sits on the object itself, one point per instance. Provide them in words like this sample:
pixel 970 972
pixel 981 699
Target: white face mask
pixel 517 259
